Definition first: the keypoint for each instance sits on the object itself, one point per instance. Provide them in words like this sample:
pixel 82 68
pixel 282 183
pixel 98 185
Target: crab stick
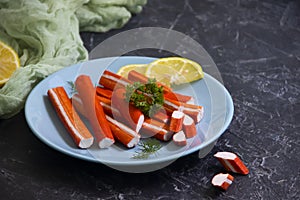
pixel 110 80
pixel 176 104
pixel 179 97
pixel 222 181
pixel 122 133
pixel 112 112
pixel 176 121
pixel 169 111
pixel 131 114
pixel 189 127
pixel 103 99
pixel 104 92
pixel 232 162
pixel 77 103
pixel 135 76
pixel 108 110
pixel 157 129
pixel 69 117
pixel 179 138
pixel 94 111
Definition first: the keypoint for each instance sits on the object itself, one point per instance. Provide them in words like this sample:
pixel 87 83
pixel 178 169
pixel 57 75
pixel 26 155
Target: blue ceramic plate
pixel 208 92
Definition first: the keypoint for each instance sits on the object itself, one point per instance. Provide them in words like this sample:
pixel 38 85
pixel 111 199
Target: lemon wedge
pixel 9 62
pixel 174 70
pixel 123 71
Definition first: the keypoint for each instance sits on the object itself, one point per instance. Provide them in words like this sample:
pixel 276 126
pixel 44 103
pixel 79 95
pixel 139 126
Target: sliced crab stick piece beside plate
pixel 222 181
pixel 232 162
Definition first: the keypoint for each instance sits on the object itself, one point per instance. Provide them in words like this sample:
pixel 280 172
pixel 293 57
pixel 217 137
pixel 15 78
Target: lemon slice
pixel 174 70
pixel 123 71
pixel 9 62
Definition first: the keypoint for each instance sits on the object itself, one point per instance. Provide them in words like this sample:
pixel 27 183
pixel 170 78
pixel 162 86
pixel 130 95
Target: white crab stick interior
pixel 177 114
pixel 179 137
pixel 105 142
pixel 187 120
pixel 225 155
pixel 140 123
pixel 219 179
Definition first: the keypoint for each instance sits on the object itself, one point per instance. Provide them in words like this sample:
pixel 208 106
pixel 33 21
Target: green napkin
pixel 45 34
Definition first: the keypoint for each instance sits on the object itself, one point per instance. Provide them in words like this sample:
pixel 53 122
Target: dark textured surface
pixel 256 46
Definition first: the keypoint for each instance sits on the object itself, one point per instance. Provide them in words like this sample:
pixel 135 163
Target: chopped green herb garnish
pixel 147 97
pixel 146 148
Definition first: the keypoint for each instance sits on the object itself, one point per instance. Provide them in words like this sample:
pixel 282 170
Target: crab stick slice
pixel 157 129
pixel 135 76
pixel 131 114
pixel 179 138
pixel 222 181
pixel 232 162
pixel 122 133
pixel 176 121
pixel 94 111
pixel 69 117
pixel 195 114
pixel 110 80
pixel 189 127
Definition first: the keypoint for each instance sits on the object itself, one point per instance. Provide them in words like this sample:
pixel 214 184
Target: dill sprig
pixel 72 87
pixel 146 97
pixel 146 148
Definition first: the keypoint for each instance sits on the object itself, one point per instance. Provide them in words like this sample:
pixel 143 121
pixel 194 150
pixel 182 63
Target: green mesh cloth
pixel 45 33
